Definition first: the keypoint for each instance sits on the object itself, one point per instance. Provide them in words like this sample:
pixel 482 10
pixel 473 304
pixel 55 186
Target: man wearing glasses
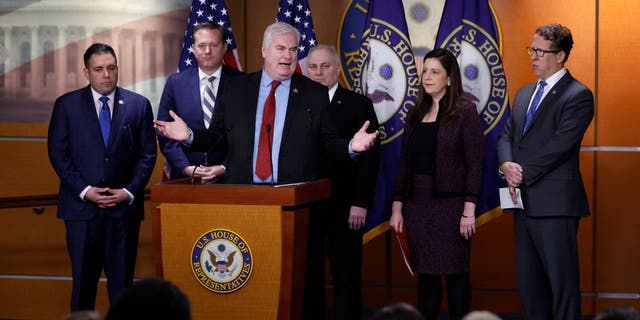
pixel 538 152
pixel 192 94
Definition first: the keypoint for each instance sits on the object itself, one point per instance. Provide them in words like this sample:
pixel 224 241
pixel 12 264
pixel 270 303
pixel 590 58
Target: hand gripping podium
pixel 237 251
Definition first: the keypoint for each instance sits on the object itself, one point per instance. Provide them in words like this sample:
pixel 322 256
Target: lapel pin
pixel 120 102
pixel 295 90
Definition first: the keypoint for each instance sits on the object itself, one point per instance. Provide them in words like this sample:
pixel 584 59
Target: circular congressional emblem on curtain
pixel 221 261
pixel 483 76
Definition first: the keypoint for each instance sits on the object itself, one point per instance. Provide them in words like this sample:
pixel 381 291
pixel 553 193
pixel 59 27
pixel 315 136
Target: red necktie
pixel 263 165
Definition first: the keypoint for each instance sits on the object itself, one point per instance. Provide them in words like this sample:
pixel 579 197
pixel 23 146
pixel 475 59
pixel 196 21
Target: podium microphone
pixel 268 127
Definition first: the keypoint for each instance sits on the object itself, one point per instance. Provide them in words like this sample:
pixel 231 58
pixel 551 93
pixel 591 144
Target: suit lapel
pixel 119 114
pixel 253 90
pixel 194 85
pixel 521 113
pixel 293 105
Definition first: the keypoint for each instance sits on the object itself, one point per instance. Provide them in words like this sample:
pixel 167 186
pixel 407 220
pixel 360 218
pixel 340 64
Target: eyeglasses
pixel 540 52
pixel 204 46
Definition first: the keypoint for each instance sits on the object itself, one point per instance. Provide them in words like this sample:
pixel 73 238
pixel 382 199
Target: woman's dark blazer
pixel 459 157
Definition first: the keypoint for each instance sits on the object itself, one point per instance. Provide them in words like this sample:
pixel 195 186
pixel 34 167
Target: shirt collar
pixel 97 96
pixel 554 78
pixel 203 76
pixel 265 81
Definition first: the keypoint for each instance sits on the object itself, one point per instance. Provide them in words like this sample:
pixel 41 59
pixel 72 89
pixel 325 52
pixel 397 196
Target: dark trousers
pixel 344 249
pixel 547 266
pixel 100 243
pixel 430 295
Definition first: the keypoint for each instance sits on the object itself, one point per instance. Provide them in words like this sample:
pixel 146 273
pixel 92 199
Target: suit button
pixel 106 159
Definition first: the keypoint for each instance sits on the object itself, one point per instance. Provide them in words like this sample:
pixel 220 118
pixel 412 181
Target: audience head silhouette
pixel 151 298
pixel 83 315
pixel 619 313
pixel 398 311
pixel 481 315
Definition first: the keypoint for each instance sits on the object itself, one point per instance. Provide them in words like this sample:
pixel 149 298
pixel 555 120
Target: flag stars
pixel 224 11
pixel 303 36
pixel 203 1
pixel 297 19
pixel 287 14
pixel 213 6
pixel 301 48
pixel 199 13
pixel 306 24
pixel 190 50
pixel 299 6
pixel 221 22
pixel 290 2
pixel 307 12
pixel 229 41
pixel 187 62
pixel 312 42
pixel 210 18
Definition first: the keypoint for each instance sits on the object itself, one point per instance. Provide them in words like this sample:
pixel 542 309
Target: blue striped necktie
pixel 534 105
pixel 105 119
pixel 208 101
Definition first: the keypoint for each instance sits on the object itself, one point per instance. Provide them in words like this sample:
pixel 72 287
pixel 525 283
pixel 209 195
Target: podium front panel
pixel 182 228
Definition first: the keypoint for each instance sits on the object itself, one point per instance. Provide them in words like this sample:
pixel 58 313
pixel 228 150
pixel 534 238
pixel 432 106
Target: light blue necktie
pixel 208 101
pixel 534 105
pixel 105 120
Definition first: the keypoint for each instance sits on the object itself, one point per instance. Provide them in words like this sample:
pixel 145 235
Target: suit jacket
pixel 549 151
pixel 459 157
pixel 353 182
pixel 307 130
pixel 182 94
pixel 79 157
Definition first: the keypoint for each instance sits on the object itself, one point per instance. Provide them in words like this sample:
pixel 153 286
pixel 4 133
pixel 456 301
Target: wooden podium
pixel 195 224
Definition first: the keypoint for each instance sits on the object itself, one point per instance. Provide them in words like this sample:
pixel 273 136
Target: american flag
pixel 203 11
pixel 298 14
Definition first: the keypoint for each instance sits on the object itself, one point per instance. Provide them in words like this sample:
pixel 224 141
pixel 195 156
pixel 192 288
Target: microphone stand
pixel 268 127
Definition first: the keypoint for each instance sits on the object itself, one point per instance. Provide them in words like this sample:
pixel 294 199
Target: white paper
pixel 506 202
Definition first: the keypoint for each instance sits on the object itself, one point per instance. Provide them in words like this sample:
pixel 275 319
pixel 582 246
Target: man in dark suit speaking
pixel 336 226
pixel 274 122
pixel 193 94
pixel 539 152
pixel 103 147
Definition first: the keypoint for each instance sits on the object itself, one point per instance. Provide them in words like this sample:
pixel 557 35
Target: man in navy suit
pixel 336 226
pixel 539 152
pixel 299 130
pixel 102 146
pixel 186 93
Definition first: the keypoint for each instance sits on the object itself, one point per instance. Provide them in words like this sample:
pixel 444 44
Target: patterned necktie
pixel 208 101
pixel 105 119
pixel 263 164
pixel 534 105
